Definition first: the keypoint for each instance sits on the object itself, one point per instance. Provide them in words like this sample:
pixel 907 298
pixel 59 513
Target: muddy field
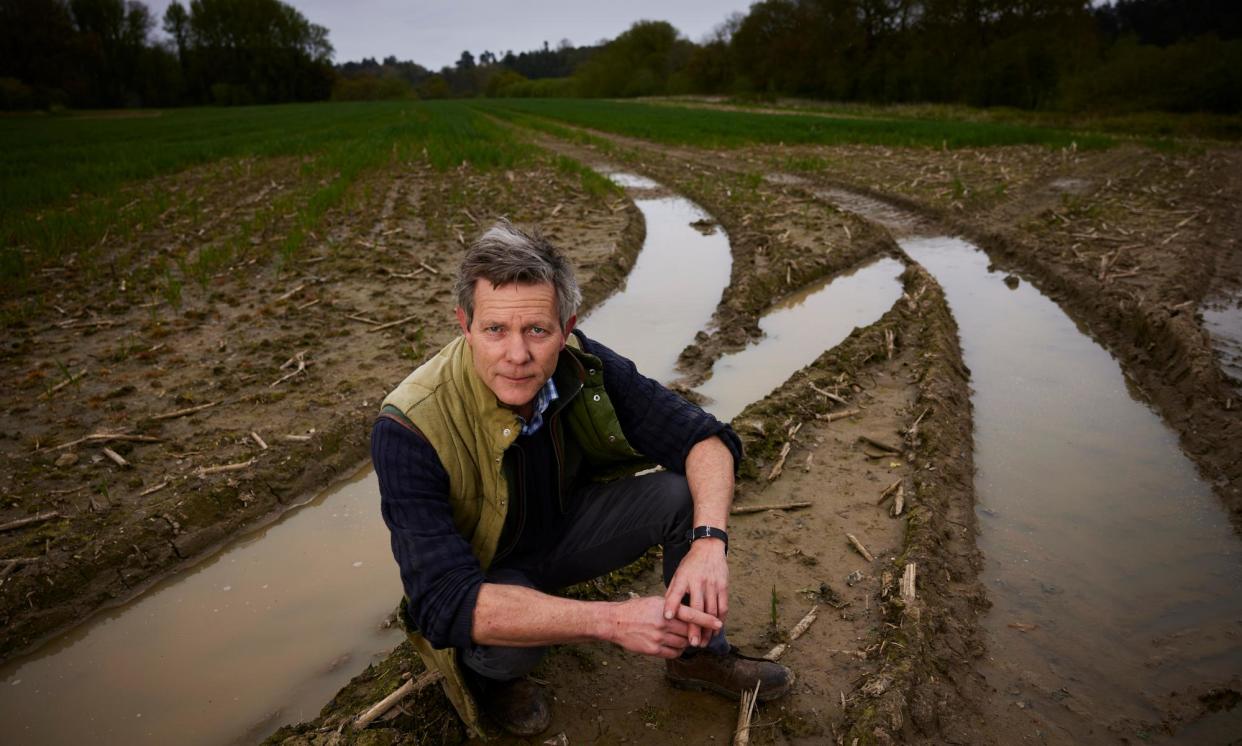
pixel 258 387
pixel 229 406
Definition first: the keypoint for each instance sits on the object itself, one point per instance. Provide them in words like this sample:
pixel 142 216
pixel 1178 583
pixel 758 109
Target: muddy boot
pixel 519 706
pixel 729 674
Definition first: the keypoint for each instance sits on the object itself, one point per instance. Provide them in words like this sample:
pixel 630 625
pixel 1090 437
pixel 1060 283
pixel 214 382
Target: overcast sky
pixel 433 33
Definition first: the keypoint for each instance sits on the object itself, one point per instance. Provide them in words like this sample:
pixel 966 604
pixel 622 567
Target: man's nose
pixel 517 351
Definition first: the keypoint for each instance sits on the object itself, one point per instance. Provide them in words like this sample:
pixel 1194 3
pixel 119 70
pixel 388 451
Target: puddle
pixel 262 634
pixel 799 330
pixel 1222 318
pixel 673 288
pixel 633 181
pixel 1113 569
pixel 269 630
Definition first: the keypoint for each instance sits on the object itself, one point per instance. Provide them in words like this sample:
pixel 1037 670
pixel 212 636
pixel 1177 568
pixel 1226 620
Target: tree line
pixel 1176 55
pixel 1130 55
pixel 100 53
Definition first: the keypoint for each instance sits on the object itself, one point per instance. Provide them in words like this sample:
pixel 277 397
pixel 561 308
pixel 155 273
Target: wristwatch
pixel 708 532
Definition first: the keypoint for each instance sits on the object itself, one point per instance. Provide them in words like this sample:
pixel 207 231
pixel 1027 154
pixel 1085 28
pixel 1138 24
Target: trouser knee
pixel 677 504
pixel 501 663
pixel 679 509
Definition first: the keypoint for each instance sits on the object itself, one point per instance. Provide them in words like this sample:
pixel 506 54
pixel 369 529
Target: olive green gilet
pixel 452 407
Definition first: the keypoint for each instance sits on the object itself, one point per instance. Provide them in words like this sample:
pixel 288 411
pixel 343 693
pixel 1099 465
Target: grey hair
pixel 505 254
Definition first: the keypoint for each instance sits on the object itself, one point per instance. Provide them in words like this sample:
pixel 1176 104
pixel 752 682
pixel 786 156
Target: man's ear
pixel 461 321
pixel 569 327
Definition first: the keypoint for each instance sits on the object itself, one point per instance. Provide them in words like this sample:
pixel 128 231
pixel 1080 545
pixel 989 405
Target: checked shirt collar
pixel 543 400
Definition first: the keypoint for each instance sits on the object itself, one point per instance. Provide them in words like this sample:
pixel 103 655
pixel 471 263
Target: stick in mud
pixel 258 439
pixel 888 491
pixel 391 324
pixel 204 471
pixel 746 711
pixel 779 466
pixel 40 518
pixel 912 432
pixel 834 416
pixel 9 565
pixel 301 367
pixel 858 546
pixel 72 379
pixel 116 458
pixel 104 437
pixel 827 394
pixel 899 501
pixel 745 509
pixel 153 490
pixel 907 583
pixel 425 679
pixel 291 293
pixel 183 412
pixel 799 629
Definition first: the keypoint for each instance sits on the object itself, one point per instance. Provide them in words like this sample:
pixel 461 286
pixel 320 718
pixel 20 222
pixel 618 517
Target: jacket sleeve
pixel 440 574
pixel 657 422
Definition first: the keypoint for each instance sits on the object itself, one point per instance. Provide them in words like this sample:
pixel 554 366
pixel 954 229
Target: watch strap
pixel 709 532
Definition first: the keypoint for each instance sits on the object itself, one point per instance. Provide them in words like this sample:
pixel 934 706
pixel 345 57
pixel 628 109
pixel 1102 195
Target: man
pixel 493 461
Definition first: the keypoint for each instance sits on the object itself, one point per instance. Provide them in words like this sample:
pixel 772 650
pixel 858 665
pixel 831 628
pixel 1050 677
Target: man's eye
pixel 493 329
pixel 538 331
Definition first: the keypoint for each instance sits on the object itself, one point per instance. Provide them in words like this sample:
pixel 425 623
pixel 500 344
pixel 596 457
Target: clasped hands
pixel 665 627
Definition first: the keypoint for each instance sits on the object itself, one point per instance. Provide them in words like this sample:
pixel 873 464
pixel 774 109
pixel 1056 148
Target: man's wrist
pixel 713 544
pixel 607 620
pixel 709 533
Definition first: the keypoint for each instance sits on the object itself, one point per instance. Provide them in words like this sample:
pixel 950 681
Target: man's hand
pixel 640 626
pixel 704 575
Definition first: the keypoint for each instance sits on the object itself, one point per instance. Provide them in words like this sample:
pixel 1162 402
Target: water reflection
pixel 671 292
pixel 798 330
pixel 1112 567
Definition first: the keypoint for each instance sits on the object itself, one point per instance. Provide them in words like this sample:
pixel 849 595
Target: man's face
pixel 516 339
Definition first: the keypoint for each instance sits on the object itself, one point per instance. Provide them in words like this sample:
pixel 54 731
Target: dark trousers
pixel 609 526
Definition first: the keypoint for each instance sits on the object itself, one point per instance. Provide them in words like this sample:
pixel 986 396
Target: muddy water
pixel 1222 318
pixel 798 330
pixel 672 289
pixel 262 634
pixel 1113 569
pixel 266 632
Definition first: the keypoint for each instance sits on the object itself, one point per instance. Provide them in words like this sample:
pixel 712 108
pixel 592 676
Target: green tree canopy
pixel 648 59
